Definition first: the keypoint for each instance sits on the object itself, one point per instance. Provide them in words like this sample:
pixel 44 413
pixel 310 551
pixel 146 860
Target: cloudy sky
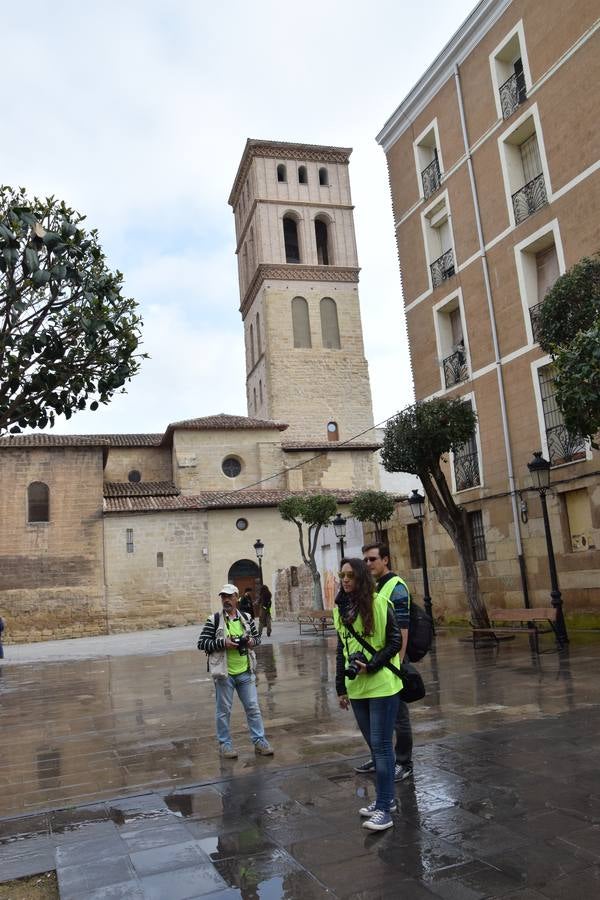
pixel 136 112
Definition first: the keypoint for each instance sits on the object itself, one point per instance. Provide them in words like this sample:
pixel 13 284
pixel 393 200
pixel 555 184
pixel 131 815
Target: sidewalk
pixel 505 801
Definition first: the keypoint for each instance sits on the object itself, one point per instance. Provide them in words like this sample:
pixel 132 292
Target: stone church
pixel 117 532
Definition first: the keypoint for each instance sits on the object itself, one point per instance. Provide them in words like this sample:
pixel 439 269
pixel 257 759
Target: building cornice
pixel 292 272
pixel 284 151
pixel 456 50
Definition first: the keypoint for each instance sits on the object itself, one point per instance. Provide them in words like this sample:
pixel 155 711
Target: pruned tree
pixel 68 336
pixel 373 506
pixel 309 512
pixel 570 333
pixel 417 440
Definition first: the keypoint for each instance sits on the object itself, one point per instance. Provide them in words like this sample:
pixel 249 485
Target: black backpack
pixel 420 633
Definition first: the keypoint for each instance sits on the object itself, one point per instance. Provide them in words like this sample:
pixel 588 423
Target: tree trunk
pixel 454 520
pixel 470 577
pixel 317 590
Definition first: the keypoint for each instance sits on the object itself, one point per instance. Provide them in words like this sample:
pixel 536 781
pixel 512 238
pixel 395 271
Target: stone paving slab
pixel 505 800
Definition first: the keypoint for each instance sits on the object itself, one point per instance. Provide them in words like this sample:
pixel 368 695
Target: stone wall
pixel 293 591
pixel 153 463
pixel 145 590
pixel 51 573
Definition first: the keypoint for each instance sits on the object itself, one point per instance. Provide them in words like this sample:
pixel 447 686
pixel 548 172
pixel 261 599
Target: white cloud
pixel 137 114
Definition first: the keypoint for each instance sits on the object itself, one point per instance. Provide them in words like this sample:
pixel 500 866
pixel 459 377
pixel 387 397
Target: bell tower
pixel 298 277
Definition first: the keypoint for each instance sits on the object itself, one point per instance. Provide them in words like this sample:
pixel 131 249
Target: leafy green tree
pixel 68 337
pixel 570 332
pixel 373 506
pixel 417 440
pixel 309 512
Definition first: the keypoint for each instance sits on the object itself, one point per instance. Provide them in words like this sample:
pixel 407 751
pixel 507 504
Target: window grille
pixel 475 520
pixel 414 546
pixel 129 539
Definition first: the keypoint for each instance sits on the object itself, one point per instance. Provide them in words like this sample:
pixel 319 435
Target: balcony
pixel 442 268
pixel 564 447
pixel 466 469
pixel 455 368
pixel 535 314
pixel 531 197
pixel 431 178
pixel 512 94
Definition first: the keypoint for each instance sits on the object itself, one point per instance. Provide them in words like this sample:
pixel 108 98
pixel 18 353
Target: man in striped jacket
pixel 229 638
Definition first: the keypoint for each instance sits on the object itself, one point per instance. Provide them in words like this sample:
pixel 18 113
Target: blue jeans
pixel 375 718
pixel 245 685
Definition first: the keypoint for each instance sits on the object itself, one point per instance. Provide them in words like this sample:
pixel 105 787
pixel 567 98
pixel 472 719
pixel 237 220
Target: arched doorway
pixel 245 574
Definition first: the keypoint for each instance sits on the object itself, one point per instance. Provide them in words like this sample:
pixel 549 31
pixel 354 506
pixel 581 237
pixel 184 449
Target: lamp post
pixel 259 549
pixel 417 507
pixel 540 479
pixel 339 526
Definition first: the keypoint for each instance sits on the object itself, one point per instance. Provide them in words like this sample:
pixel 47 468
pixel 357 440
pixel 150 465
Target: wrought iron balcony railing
pixel 466 470
pixel 442 268
pixel 535 314
pixel 512 94
pixel 564 447
pixel 455 368
pixel 531 197
pixel 431 178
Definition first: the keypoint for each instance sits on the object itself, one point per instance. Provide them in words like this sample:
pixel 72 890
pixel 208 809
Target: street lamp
pixel 259 549
pixel 417 507
pixel 540 479
pixel 339 526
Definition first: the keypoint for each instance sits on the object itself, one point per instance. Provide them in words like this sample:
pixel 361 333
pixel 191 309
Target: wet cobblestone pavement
pixel 505 801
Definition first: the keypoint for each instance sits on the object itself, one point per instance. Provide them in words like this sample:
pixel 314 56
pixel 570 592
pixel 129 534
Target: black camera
pixel 352 669
pixel 242 644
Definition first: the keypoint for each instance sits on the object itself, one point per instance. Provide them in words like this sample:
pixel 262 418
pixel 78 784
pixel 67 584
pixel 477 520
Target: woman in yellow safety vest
pixel 364 682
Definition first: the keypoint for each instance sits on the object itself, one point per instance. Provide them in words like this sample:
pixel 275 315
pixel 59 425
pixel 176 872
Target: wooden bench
pixel 318 621
pixel 532 622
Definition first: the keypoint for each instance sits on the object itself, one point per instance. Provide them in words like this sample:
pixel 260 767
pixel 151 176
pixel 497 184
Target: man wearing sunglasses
pixel 377 558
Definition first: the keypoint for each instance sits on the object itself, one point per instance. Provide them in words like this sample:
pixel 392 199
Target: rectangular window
pixel 475 520
pixel 579 515
pixel 466 464
pixel 524 168
pixel 562 446
pixel 428 160
pixel 450 338
pixel 160 560
pixel 438 242
pixel 129 539
pixel 547 271
pixel 510 72
pixel 414 546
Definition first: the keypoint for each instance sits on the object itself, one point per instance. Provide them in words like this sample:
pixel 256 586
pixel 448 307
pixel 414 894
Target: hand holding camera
pixel 357 664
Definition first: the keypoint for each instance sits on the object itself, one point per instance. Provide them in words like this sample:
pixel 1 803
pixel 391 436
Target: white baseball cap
pixel 228 589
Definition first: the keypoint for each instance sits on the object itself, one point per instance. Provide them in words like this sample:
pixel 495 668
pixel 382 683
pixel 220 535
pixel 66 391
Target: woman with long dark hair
pixel 364 682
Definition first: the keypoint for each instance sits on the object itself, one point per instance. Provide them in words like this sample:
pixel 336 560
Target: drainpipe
pixel 497 360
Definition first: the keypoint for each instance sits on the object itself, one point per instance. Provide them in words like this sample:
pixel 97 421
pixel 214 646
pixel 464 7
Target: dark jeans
pixel 375 718
pixel 404 738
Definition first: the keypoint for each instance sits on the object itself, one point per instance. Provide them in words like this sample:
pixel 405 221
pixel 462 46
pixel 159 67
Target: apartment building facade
pixel 495 181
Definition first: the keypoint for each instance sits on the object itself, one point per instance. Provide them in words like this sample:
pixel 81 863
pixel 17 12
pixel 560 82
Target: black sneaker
pixel 365 768
pixel 401 773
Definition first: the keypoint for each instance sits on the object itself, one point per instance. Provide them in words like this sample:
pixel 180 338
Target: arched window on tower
pixel 290 236
pixel 301 323
pixel 258 338
pixel 255 406
pixel 38 502
pixel 322 238
pixel 251 254
pixel 281 173
pixel 252 360
pixel 260 391
pixel 302 176
pixel 323 176
pixel 330 329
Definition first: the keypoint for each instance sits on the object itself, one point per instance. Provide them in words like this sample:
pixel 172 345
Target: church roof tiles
pixel 223 421
pixel 249 497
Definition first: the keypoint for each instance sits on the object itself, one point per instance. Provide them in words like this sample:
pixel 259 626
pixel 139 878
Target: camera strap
pixel 371 649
